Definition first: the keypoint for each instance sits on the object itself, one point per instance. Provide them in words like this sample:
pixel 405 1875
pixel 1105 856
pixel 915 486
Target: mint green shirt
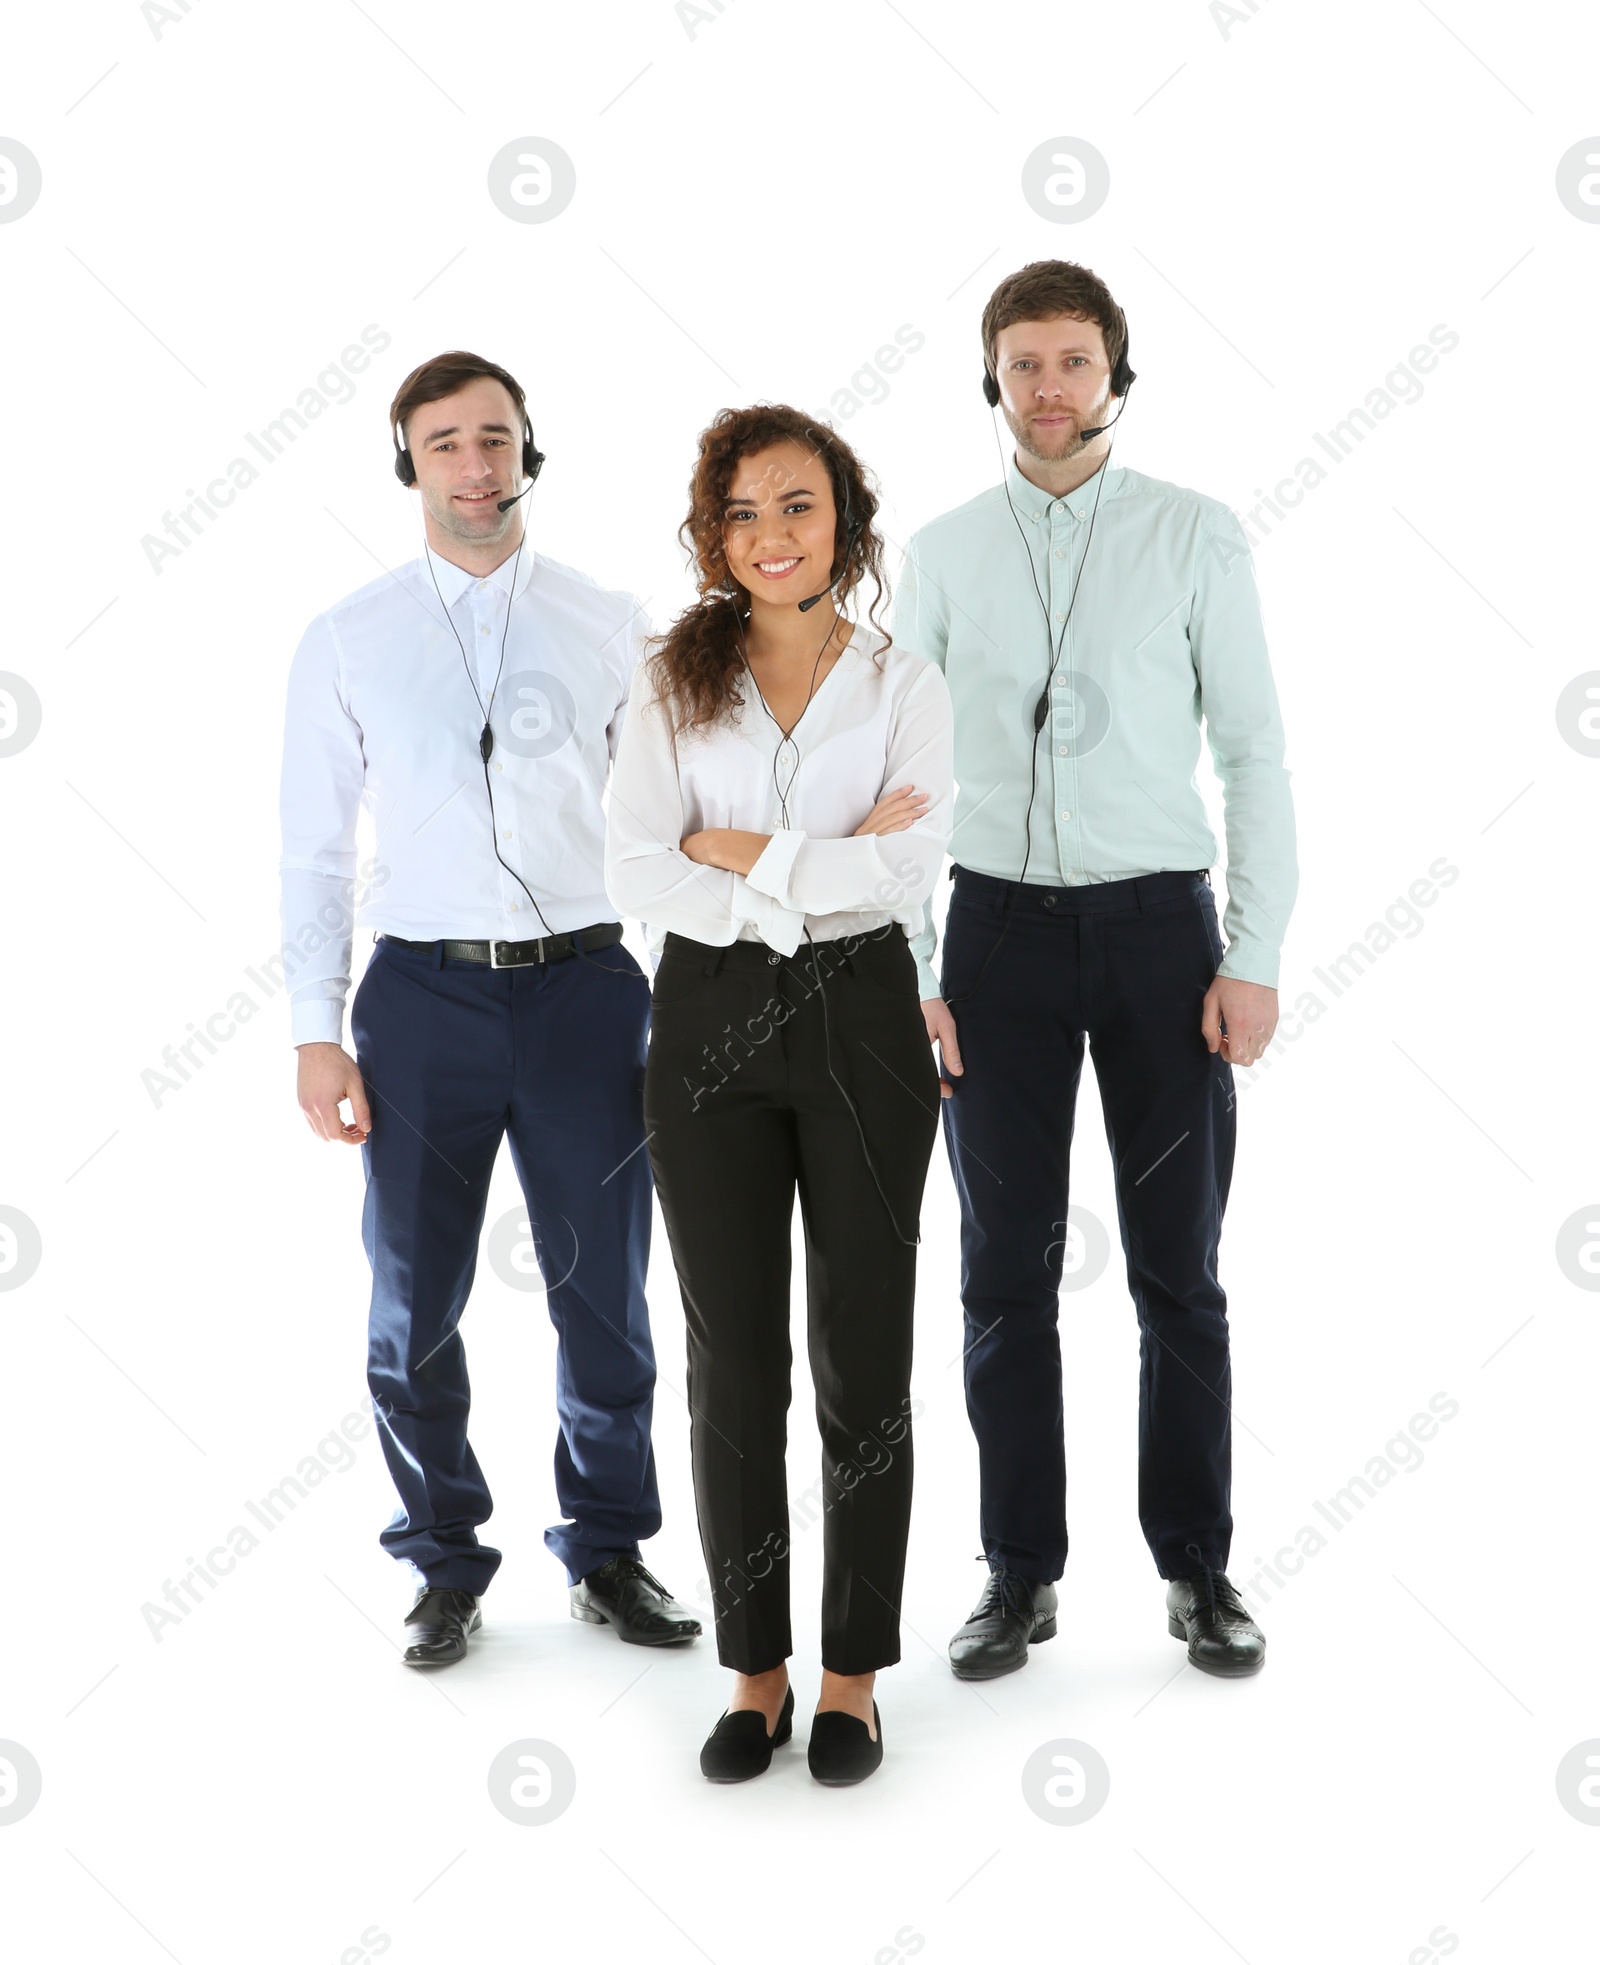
pixel 1166 630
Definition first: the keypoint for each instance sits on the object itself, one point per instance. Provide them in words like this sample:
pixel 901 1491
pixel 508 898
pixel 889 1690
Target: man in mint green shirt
pixel 1089 621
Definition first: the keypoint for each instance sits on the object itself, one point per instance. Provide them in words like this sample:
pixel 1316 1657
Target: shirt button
pixel 1061 751
pixel 1066 815
pixel 481 585
pixel 506 834
pixel 1061 552
pixel 482 629
pixel 513 907
pixel 1061 682
pixel 498 765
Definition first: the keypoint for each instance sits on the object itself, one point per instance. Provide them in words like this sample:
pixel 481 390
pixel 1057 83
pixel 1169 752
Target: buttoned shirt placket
pixel 487 599
pixel 1059 541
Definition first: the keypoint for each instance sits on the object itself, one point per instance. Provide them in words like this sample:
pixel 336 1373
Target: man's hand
pixel 1250 1011
pixel 328 1074
pixel 942 1031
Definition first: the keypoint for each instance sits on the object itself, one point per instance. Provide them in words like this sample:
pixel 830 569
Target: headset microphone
pixel 852 532
pixel 1098 430
pixel 505 504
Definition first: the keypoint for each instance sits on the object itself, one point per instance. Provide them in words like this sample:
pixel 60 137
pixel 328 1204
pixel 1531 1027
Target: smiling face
pixel 1055 382
pixel 778 524
pixel 467 450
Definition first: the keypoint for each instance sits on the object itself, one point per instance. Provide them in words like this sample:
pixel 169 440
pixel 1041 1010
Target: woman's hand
pixel 725 847
pixel 894 812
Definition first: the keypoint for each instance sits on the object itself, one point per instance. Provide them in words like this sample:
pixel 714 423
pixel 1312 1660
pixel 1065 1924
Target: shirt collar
pixel 455 580
pixel 1035 504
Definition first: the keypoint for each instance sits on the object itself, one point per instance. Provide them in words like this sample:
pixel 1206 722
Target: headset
pixel 532 463
pixel 853 528
pixel 1123 377
pixel 532 458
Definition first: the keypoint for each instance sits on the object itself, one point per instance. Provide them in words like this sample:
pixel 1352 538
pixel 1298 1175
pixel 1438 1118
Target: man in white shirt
pixel 472 701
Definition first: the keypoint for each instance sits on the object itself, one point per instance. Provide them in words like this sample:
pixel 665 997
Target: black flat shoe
pixel 842 1751
pixel 439 1624
pixel 639 1608
pixel 740 1746
pixel 1222 1637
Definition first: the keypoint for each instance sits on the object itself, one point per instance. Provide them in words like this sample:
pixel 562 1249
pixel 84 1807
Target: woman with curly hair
pixel 780 805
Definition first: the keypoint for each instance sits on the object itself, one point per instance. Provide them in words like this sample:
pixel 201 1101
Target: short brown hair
pixel 1047 289
pixel 443 376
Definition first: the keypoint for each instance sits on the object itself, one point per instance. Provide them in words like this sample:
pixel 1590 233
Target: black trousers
pixel 754 1065
pixel 1125 963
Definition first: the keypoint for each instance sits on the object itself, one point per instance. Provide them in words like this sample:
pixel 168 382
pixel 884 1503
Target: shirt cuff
pixel 927 982
pixel 778 926
pixel 319 1020
pixel 774 864
pixel 1251 961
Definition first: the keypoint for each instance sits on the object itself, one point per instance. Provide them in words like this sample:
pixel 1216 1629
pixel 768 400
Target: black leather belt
pixel 519 955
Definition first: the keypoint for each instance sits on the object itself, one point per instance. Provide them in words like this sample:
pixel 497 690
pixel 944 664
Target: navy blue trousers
pixel 1125 964
pixel 453 1055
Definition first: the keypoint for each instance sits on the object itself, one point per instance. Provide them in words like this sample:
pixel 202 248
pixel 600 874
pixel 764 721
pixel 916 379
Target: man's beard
pixel 1067 441
pixel 459 526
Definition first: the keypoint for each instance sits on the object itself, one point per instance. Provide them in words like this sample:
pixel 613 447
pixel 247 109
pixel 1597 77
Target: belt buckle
pixel 538 942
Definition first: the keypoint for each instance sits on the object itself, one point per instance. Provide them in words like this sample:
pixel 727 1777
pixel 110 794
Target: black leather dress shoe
pixel 623 1594
pixel 841 1750
pixel 1012 1613
pixel 739 1745
pixel 1222 1636
pixel 439 1622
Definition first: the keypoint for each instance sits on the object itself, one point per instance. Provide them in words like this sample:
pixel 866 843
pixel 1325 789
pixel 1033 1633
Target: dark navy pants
pixel 453 1055
pixel 1125 964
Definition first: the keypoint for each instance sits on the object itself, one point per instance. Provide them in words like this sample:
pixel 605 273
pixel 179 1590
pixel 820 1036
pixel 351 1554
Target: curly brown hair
pixel 700 658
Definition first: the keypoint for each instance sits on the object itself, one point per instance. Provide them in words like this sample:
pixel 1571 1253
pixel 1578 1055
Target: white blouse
pixel 869 728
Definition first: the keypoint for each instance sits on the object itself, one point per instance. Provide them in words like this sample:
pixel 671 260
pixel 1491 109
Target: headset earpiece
pixel 404 469
pixel 853 529
pixel 991 390
pixel 1122 375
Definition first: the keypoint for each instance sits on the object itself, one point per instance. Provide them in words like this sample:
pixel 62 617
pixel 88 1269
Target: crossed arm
pixel 737 852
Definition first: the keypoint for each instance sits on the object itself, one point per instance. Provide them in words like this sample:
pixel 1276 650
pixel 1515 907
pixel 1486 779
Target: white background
pixel 1296 198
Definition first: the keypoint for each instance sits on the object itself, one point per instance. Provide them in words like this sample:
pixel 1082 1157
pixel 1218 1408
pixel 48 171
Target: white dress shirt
pixel 871 727
pixel 381 713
